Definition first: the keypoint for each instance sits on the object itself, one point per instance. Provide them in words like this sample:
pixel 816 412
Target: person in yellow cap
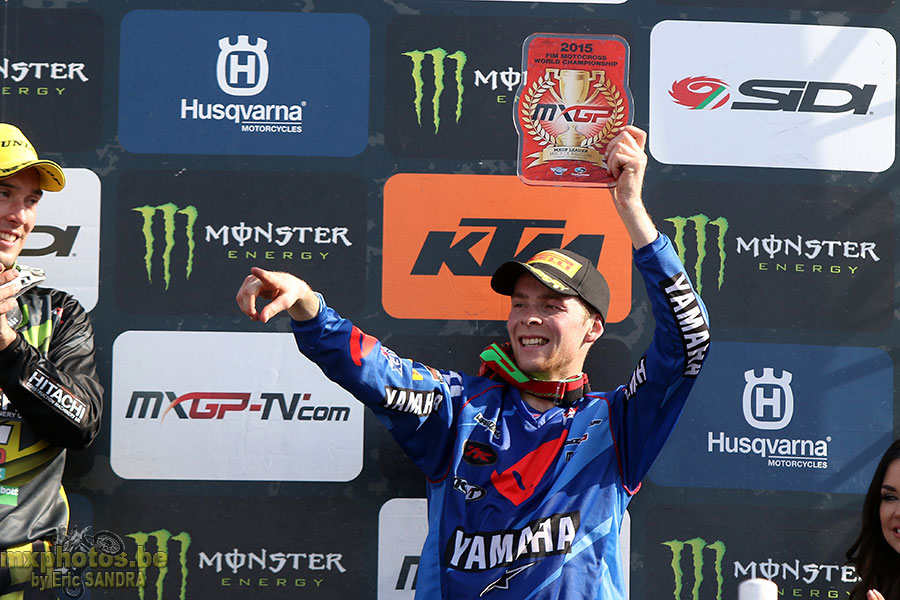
pixel 51 394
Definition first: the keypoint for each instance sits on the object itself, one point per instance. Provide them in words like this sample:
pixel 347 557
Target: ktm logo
pixel 439 255
pixel 505 236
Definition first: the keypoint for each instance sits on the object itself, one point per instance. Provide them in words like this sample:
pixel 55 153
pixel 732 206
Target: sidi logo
pixel 768 400
pixel 61 242
pixel 242 69
pixel 731 107
pixel 439 256
pixel 698 93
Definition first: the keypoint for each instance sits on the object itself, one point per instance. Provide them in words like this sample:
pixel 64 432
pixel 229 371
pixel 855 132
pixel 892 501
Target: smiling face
pixel 19 195
pixel 889 509
pixel 550 333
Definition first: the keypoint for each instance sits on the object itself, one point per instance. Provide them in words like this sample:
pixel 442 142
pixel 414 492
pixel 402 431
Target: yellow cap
pixel 17 153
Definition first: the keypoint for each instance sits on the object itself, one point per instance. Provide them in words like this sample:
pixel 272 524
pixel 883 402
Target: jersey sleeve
pixel 59 393
pixel 414 401
pixel 649 405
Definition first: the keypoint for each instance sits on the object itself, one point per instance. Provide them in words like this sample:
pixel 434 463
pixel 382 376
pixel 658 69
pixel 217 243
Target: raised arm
pixel 626 161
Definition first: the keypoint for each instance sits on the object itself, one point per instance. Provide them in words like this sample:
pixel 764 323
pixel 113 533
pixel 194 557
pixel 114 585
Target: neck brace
pixel 497 363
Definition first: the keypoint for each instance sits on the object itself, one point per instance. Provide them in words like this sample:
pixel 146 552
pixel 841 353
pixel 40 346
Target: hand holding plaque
pixel 572 103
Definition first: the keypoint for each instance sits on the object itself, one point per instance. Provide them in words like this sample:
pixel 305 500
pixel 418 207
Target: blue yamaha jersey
pixel 524 505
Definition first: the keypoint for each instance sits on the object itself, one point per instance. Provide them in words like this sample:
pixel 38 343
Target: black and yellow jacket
pixel 52 400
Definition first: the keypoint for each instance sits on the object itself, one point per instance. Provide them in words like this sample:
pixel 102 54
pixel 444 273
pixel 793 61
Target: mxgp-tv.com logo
pixel 710 93
pixel 218 405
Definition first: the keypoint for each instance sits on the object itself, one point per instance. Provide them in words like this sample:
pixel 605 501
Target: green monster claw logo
pixel 168 211
pixel 696 545
pixel 437 58
pixel 700 223
pixel 162 537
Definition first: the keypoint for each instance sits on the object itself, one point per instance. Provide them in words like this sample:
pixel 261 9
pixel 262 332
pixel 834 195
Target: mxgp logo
pixel 440 60
pixel 174 220
pixel 703 227
pixel 242 69
pixel 698 93
pixel 701 568
pixel 572 114
pixel 768 400
pixel 61 242
pixel 506 235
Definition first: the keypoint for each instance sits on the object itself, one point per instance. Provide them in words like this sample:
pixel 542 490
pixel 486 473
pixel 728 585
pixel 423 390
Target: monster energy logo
pixel 697 546
pixel 700 223
pixel 161 537
pixel 168 211
pixel 438 55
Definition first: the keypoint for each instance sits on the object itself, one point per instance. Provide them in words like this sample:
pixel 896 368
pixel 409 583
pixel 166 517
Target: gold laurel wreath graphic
pixel 615 121
pixel 610 93
pixel 537 91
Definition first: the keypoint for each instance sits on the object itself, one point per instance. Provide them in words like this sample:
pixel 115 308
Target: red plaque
pixel 573 101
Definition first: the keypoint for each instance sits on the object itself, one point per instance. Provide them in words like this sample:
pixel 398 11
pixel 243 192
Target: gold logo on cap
pixel 555 284
pixel 558 261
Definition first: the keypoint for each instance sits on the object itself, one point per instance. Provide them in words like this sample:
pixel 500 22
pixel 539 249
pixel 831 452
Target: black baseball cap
pixel 562 271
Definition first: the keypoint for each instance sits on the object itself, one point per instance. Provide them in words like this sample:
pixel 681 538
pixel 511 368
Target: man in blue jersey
pixel 529 472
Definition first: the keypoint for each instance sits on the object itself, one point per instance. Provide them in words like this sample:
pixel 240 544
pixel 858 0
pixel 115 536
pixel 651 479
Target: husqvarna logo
pixel 768 400
pixel 242 68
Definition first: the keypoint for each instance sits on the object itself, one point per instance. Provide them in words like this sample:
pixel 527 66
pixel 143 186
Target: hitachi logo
pixel 41 384
pixel 483 551
pixel 691 323
pixel 420 403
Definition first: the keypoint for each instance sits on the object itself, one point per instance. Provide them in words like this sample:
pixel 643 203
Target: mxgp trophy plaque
pixel 572 103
